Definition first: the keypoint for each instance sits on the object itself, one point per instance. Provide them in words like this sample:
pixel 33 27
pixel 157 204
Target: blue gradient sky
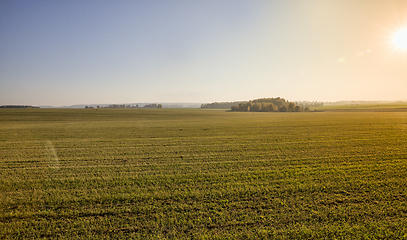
pixel 86 52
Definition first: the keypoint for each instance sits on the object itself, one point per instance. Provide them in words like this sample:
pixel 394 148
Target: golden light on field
pixel 400 39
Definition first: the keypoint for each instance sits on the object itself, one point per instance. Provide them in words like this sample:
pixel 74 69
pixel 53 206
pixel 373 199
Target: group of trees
pixel 263 105
pixel 269 105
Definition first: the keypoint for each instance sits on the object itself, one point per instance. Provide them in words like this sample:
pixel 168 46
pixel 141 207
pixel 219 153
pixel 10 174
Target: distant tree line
pixel 221 105
pixel 268 105
pixel 153 105
pixel 17 106
pixel 309 104
pixel 115 106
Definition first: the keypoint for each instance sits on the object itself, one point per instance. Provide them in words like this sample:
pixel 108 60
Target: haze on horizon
pixel 86 52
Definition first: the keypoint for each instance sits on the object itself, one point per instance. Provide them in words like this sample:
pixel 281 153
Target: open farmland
pixel 210 174
pixel 365 106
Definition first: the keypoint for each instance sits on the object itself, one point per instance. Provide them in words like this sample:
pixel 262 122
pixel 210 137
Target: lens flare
pixel 400 39
pixel 53 161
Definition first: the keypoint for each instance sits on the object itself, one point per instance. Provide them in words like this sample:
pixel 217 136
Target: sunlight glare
pixel 400 39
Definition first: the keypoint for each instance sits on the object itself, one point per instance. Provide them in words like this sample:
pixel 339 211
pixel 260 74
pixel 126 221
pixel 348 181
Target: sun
pixel 400 39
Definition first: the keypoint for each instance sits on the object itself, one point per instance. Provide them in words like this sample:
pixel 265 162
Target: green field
pixel 202 174
pixel 365 106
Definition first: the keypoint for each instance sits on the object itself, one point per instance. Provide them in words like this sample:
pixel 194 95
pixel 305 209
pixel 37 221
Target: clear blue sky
pixel 86 52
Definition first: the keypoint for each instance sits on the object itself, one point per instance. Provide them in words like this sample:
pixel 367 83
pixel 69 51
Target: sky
pixel 61 53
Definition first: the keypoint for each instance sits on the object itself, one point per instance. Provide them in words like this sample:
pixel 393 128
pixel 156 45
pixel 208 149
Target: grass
pixel 368 106
pixel 204 174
